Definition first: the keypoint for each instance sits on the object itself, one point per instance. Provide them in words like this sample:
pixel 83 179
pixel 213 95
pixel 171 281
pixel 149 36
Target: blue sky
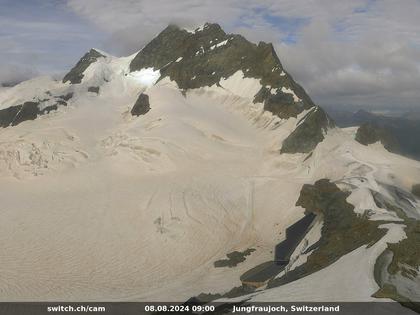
pixel 342 52
pixel 43 36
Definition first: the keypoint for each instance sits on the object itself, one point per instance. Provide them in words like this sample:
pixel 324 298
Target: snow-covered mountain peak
pixel 76 73
pixel 209 55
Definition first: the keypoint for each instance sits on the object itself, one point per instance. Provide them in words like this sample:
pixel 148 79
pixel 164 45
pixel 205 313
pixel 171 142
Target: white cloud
pixel 11 74
pixel 40 36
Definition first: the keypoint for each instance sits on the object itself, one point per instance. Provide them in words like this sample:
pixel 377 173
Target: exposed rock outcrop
pixel 369 133
pixel 76 74
pixel 93 89
pixel 234 258
pixel 14 115
pixel 309 132
pixel 204 57
pixel 142 105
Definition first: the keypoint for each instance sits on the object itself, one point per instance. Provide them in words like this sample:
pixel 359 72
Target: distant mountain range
pixel 405 129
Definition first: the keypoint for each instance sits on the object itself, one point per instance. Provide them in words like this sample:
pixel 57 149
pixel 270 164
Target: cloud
pixel 365 63
pixel 12 74
pixel 40 37
pixel 132 23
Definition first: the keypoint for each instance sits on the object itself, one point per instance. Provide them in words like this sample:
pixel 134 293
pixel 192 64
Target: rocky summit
pixel 207 55
pixel 75 75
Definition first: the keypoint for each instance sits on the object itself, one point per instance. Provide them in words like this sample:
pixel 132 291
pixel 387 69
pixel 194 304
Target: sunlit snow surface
pixel 146 77
pixel 290 91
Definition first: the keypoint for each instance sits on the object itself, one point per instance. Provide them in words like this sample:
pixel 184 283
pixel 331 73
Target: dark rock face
pixel 234 258
pixel 66 97
pixel 7 115
pixel 309 132
pixel 14 115
pixel 281 105
pixel 76 73
pixel 166 47
pixel 323 196
pixel 208 55
pixel 93 89
pixel 142 105
pixel 369 133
